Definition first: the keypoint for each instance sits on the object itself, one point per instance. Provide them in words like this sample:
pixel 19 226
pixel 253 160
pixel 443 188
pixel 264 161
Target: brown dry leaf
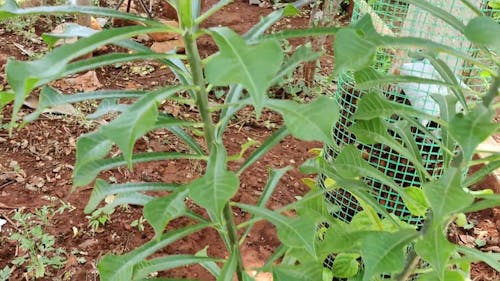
pixel 67 109
pixel 70 262
pixel 82 83
pixel 165 36
pixel 167 46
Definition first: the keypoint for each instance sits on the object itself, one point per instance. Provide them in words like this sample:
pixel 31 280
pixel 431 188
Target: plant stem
pixel 233 238
pixel 493 91
pixel 194 60
pixel 410 267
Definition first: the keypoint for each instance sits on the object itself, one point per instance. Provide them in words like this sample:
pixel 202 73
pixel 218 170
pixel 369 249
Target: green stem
pixel 493 91
pixel 233 238
pixel 201 95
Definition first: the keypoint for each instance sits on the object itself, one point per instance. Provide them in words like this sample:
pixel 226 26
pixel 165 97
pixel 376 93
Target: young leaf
pixel 240 63
pixel 160 211
pixel 352 51
pixel 345 265
pixel 383 252
pixel 312 121
pixel 135 121
pixel 296 232
pixel 418 206
pixel 446 195
pixel 217 186
pixel 484 31
pixel 434 248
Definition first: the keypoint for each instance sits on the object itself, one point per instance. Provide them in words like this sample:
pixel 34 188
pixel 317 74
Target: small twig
pixel 11 222
pixel 6 184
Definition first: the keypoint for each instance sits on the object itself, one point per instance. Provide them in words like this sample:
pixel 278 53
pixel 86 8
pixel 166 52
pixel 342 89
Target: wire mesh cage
pixel 401 19
pixel 398 18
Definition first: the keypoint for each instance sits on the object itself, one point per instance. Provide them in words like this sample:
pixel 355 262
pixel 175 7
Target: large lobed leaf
pixel 312 121
pixel 383 252
pixel 213 190
pixel 238 62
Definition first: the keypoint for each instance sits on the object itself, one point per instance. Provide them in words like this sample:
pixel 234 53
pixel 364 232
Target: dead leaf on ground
pixel 82 83
pixel 66 109
pixel 165 36
pixel 167 46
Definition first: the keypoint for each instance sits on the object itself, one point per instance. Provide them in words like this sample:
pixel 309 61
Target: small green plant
pixel 5 274
pixel 97 219
pixel 139 223
pixel 38 252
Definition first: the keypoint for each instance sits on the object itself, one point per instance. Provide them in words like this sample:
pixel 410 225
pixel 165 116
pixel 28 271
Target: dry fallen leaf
pixel 165 36
pixel 167 46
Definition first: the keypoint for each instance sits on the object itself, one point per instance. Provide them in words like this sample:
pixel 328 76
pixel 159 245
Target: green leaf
pixel 312 121
pixel 484 31
pixel 485 202
pixel 384 252
pixel 71 30
pixel 24 76
pixel 439 13
pixel 345 265
pixel 434 248
pixel 350 164
pixel 352 50
pixel 175 126
pixel 341 237
pixel 50 97
pixel 446 195
pixel 367 78
pixel 110 59
pixel 374 131
pixel 217 186
pixel 86 172
pixel 374 105
pixel 102 189
pixel 240 63
pixel 299 232
pixel 301 272
pixel 134 122
pixel 418 206
pixel 160 211
pixel 229 268
pixel 145 268
pixel 473 128
pixel 113 267
pixel 268 144
pixel 301 54
pixel 492 259
pixel 483 172
pixel 271 184
pixel 11 9
pixel 211 266
pixel 89 148
pixel 6 98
